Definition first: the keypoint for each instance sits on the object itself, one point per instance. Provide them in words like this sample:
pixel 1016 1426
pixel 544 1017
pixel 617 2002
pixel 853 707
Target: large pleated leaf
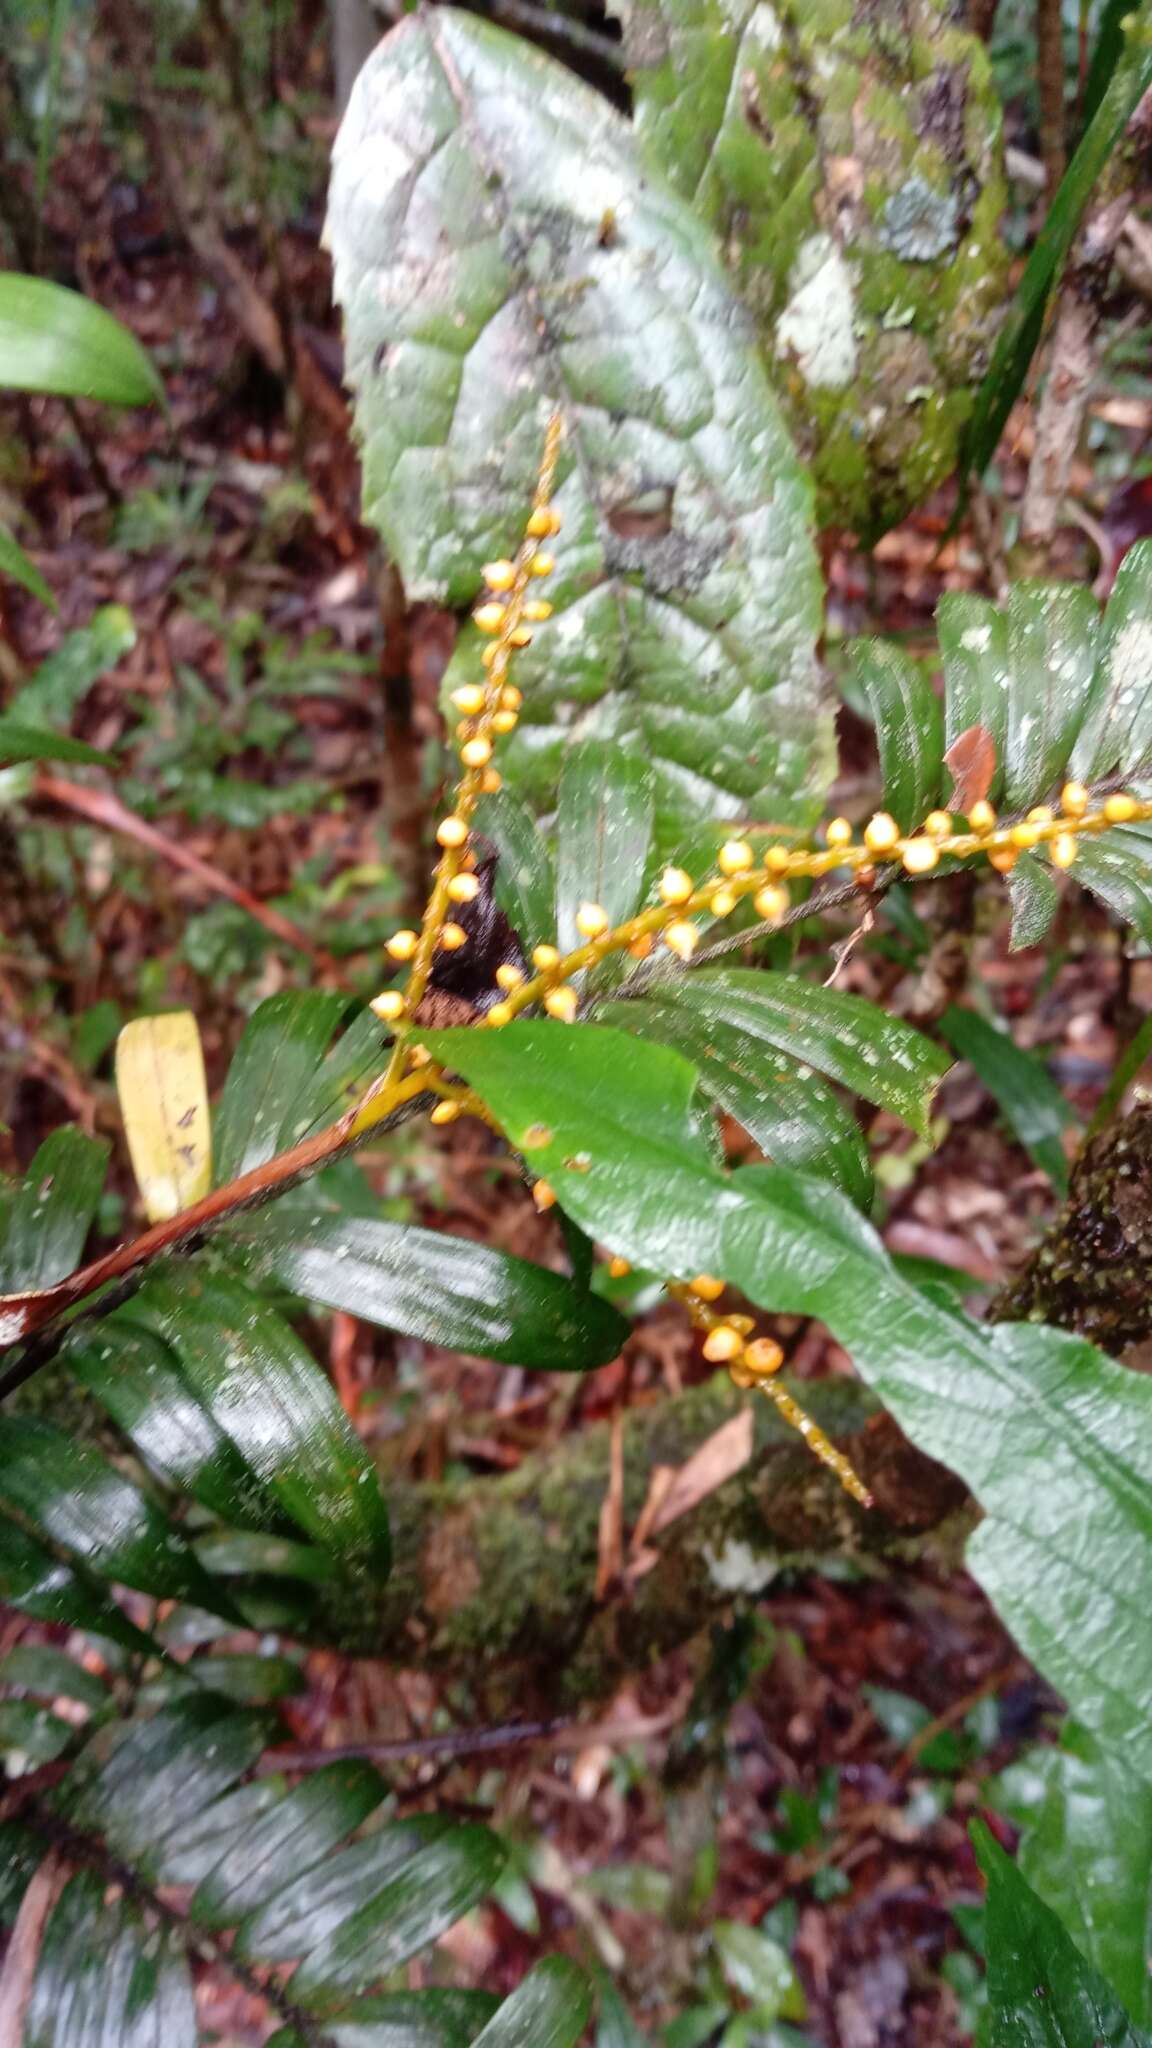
pixel 107 1974
pixel 292 1836
pixel 525 881
pixel 268 1396
pixel 799 1122
pixel 1042 1993
pixel 909 728
pixel 46 1218
pixel 139 1785
pixel 1054 1439
pixel 550 2009
pixel 438 1287
pixel 568 276
pixel 603 834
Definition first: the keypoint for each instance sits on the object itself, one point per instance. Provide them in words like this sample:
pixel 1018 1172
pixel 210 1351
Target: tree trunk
pixel 356 30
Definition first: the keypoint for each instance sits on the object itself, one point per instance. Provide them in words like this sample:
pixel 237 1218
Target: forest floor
pixel 831 1807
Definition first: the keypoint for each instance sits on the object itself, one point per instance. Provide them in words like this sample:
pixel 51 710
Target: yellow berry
pixel 389 1007
pixel 520 636
pixel 982 817
pixel 489 617
pixel 920 855
pixel 777 860
pixel 763 1356
pixel 511 698
pixel 469 699
pixel 1074 799
pixel 561 1003
pixel 453 937
pixel 504 721
pixel 1040 814
pixel 538 609
pixel 676 885
pixel 723 1344
pixel 735 857
pixel 722 904
pixel 1063 850
pixel 545 957
pixel 542 564
pixel 499 575
pixel 745 1324
pixel 707 1286
pixel 881 833
pixel 1120 809
pixel 617 1268
pixel 476 753
pixel 1026 835
pixel 592 920
pixel 499 1013
pixel 463 888
pixel 771 902
pixel 682 938
pixel 494 657
pixel 543 1195
pixel 491 781
pixel 838 832
pixel 938 824
pixel 508 975
pixel 451 831
pixel 402 945
pixel 542 522
pixel 445 1113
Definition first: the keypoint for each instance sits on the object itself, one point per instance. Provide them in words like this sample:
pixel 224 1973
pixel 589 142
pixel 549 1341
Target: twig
pixel 20 1962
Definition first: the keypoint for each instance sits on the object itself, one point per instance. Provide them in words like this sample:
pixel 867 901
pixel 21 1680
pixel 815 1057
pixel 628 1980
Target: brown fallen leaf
pixel 675 1491
pixel 971 760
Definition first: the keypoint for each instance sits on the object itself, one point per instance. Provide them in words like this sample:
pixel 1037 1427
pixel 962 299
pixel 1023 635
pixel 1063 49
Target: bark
pixel 493 1581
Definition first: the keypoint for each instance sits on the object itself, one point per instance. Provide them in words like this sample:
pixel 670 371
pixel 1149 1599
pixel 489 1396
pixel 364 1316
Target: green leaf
pixel 686 592
pixel 1020 333
pixel 441 1288
pixel 403 2019
pixel 38 1668
pixel 909 728
pixel 139 1785
pixel 525 883
pixel 1117 733
pixel 354 1062
pixel 278 1055
pixel 550 2009
pixel 266 1392
pixel 18 568
pixel 759 1969
pixel 71 1494
pixel 845 1037
pixel 287 1841
pixel 46 1222
pixel 1041 1992
pixel 26 743
pixel 800 1123
pixel 1019 1084
pixel 106 1973
pixel 81 659
pixel 1035 897
pixel 1086 1851
pixel 33 1731
pixel 1052 631
pixel 1117 868
pixel 1054 1439
pixel 43 1585
pixel 50 105
pixel 603 835
pixel 54 341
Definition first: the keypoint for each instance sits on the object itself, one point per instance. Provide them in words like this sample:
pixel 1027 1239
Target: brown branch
pixel 1050 81
pixel 100 807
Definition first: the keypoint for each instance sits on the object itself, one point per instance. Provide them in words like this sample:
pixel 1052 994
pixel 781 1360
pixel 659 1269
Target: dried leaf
pixel 972 761
pixel 164 1102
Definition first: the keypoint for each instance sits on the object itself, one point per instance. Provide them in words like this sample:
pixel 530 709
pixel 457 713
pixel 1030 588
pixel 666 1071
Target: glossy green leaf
pixel 27 743
pixel 107 1974
pixel 1019 1084
pixel 1054 1439
pixel 137 1378
pixel 1117 868
pixel 403 2019
pixel 759 1969
pixel 55 341
pixel 909 728
pixel 56 688
pixel 270 1398
pixel 46 1221
pixel 43 1585
pixel 138 1785
pixel 32 1730
pixel 1118 730
pixel 1035 899
pixel 1041 1991
pixel 1020 333
pixel 313 1905
pixel 973 638
pixel 525 882
pixel 1086 1850
pixel 441 1288
pixel 251 1680
pixel 287 1841
pixel 550 2009
pixel 219 1830
pixel 1052 630
pixel 800 1123
pixel 603 834
pixel 353 1063
pixel 686 589
pixel 1106 53
pixel 283 1044
pixel 76 1498
pixel 19 568
pixel 41 1669
pixel 843 1036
